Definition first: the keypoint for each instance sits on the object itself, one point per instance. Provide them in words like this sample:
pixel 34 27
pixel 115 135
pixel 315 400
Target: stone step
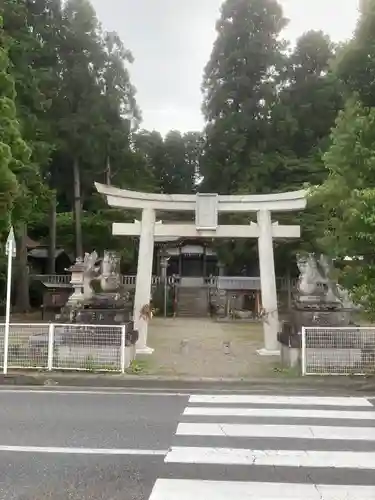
pixel 192 314
pixel 192 299
pixel 192 296
pixel 192 302
pixel 192 308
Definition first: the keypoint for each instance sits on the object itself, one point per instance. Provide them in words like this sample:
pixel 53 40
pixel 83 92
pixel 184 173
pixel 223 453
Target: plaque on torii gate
pixel 206 207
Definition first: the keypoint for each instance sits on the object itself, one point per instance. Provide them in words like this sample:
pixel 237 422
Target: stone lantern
pixel 164 266
pixel 77 281
pixel 164 277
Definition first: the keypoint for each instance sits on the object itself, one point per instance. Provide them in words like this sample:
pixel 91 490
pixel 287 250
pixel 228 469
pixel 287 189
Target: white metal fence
pixel 338 351
pixel 56 346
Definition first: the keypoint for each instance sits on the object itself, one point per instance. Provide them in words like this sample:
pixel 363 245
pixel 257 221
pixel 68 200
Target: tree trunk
pixel 52 236
pixel 289 288
pixel 22 294
pixel 108 173
pixel 77 209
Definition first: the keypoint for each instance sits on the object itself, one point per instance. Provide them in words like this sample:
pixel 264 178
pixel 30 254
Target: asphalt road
pixel 129 423
pixel 117 444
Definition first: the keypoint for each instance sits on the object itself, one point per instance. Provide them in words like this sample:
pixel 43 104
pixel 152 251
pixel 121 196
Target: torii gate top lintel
pixel 124 198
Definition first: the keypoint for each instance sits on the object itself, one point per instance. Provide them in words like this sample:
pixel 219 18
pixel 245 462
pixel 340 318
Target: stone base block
pixel 144 350
pixel 268 352
pixel 290 356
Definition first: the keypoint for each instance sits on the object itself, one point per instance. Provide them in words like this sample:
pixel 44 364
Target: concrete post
pixel 164 280
pixel 144 277
pixel 221 267
pixel 180 264
pixel 268 284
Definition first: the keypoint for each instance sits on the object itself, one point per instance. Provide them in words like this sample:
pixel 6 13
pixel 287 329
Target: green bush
pixel 158 300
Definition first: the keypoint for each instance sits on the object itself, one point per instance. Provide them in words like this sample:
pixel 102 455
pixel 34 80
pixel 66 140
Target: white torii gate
pixel 207 208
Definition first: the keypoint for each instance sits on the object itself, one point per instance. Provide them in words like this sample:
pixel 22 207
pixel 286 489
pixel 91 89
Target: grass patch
pixel 138 367
pixel 287 372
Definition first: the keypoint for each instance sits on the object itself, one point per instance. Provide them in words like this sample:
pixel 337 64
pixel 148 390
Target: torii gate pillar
pixel 144 277
pixel 268 283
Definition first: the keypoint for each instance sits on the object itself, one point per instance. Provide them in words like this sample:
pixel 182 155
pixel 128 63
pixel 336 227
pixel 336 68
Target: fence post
pixel 122 349
pixel 51 334
pixel 303 353
pixel 6 349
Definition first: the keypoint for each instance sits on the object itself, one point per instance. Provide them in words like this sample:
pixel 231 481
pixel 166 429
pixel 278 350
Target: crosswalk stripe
pixel 279 400
pixel 223 468
pixel 277 431
pixel 183 489
pixel 212 411
pixel 277 458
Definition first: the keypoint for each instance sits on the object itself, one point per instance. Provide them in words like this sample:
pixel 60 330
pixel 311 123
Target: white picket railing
pixel 54 346
pixel 58 279
pixel 229 282
pixel 51 279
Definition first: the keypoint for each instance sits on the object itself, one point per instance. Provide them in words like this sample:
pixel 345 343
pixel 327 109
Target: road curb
pixel 154 382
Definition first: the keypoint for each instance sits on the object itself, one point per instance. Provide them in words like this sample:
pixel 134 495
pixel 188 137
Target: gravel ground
pixel 205 348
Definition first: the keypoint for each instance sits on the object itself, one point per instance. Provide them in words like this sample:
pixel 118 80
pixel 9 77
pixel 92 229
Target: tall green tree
pixel 24 35
pixel 95 110
pixel 76 105
pixel 347 200
pixel 310 98
pixel 120 113
pixel 355 65
pixel 240 89
pixel 74 101
pixel 181 167
pixel 173 162
pixel 14 152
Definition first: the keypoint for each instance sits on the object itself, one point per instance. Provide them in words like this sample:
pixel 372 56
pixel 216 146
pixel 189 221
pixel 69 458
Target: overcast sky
pixel 171 41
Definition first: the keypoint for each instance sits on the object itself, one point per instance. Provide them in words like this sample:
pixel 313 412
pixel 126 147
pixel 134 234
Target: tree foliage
pixel 346 200
pixel 14 152
pixel 173 162
pixel 8 128
pixel 239 88
pixel 356 64
pixel 269 112
pixel 69 117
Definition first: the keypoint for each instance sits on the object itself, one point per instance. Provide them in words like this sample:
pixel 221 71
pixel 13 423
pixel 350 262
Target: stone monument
pixel 318 302
pixel 95 329
pixel 97 305
pixel 98 297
